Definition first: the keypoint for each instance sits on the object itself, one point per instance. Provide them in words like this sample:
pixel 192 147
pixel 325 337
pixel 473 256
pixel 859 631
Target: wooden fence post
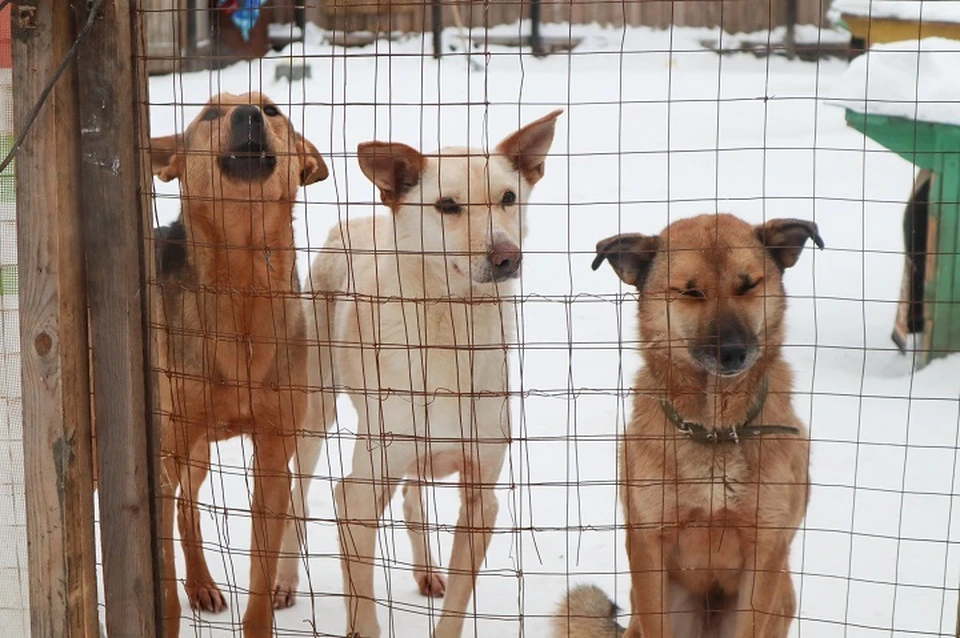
pixel 53 320
pixel 112 91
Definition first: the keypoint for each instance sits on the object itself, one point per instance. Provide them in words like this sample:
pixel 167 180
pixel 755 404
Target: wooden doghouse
pixel 935 149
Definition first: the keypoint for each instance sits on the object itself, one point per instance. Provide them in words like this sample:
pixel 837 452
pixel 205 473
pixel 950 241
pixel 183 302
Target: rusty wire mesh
pixel 657 126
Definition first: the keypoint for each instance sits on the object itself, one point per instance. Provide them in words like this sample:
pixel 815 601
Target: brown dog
pixel 714 462
pixel 231 337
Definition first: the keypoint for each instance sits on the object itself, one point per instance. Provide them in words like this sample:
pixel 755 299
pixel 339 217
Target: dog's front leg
pixel 765 602
pixel 648 590
pixel 360 498
pixel 478 515
pixel 269 511
pixel 320 414
pixel 202 592
pixel 171 595
pixel 429 580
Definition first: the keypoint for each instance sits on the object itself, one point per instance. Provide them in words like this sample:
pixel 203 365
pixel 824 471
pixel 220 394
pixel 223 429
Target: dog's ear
pixel 166 156
pixel 312 167
pixel 394 168
pixel 630 255
pixel 527 148
pixel 784 239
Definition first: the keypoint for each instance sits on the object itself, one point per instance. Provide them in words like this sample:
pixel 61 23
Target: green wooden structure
pixel 935 147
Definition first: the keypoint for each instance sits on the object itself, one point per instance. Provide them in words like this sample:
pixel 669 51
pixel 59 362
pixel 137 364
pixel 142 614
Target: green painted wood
pixel 914 141
pixel 943 290
pixel 936 147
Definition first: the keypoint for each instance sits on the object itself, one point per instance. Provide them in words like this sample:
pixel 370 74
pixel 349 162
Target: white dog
pixel 411 317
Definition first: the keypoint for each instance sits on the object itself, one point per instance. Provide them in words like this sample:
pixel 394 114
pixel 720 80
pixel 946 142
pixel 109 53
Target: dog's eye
pixel 210 115
pixel 746 284
pixel 448 206
pixel 508 198
pixel 270 110
pixel 692 293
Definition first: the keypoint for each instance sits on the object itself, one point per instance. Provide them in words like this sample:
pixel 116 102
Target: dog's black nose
pixel 728 348
pixel 731 357
pixel 247 118
pixel 249 155
pixel 505 258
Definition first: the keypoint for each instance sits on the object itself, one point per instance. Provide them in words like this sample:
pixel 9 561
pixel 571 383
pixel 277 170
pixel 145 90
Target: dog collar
pixel 702 434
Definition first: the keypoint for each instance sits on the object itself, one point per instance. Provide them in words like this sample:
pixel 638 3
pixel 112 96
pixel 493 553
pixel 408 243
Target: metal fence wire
pixel 402 390
pixel 14 605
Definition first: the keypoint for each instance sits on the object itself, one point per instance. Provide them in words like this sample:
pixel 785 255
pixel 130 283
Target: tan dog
pixel 231 337
pixel 714 461
pixel 413 316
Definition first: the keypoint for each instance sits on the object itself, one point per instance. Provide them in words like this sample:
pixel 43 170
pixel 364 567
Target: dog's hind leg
pixel 269 512
pixel 202 592
pixel 171 594
pixel 425 572
pixel 478 515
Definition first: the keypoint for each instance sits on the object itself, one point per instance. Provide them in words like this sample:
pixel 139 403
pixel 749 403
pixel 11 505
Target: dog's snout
pixel 505 258
pixel 249 155
pixel 731 357
pixel 246 117
pixel 728 350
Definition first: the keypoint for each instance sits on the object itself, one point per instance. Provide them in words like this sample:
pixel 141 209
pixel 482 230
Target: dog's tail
pixel 586 612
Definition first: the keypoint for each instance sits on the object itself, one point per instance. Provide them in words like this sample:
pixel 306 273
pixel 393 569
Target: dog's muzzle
pixel 503 261
pixel 728 352
pixel 250 157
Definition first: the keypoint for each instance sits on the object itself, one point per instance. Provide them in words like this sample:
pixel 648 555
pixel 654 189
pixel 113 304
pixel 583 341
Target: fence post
pixel 53 330
pixel 114 230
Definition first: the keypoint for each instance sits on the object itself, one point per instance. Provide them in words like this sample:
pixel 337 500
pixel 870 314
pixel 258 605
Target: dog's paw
pixel 431 584
pixel 285 592
pixel 206 597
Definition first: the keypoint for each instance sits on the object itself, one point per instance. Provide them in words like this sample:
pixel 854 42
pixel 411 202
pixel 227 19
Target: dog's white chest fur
pixel 439 360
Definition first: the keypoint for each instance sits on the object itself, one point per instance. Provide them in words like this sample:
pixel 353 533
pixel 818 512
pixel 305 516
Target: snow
pixel 907 10
pixel 912 79
pixel 655 128
pixel 804 34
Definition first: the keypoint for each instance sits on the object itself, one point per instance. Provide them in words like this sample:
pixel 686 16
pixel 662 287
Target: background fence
pixel 656 126
pixel 14 607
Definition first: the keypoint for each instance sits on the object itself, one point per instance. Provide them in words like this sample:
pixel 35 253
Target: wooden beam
pixel 114 232
pixel 53 320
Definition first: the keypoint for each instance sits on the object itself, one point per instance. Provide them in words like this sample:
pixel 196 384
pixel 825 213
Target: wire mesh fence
pixel 473 413
pixel 14 606
pixel 656 127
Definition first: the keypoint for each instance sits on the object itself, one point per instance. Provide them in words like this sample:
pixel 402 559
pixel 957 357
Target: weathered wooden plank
pixel 56 414
pixel 145 172
pixel 115 281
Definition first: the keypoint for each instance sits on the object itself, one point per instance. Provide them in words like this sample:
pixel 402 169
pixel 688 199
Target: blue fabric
pixel 244 13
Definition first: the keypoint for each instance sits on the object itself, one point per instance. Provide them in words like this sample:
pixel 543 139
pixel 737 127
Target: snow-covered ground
pixel 655 128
